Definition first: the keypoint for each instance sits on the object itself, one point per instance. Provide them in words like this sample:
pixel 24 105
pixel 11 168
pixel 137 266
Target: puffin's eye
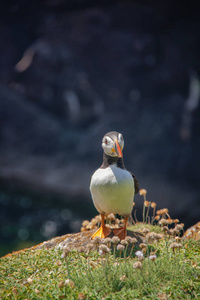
pixel 106 141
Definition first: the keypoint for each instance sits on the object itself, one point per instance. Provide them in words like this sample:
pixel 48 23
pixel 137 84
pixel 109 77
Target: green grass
pixel 41 274
pixel 140 226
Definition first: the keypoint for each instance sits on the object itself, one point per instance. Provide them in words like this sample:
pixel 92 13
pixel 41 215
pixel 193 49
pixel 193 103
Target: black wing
pixel 136 183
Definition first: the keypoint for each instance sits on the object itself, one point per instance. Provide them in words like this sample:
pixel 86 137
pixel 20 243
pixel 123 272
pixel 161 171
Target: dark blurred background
pixel 70 71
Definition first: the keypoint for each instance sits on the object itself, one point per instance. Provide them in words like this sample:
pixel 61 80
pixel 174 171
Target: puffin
pixel 112 187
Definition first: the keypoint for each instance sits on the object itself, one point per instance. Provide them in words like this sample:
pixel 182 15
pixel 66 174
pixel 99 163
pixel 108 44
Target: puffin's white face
pixel 113 144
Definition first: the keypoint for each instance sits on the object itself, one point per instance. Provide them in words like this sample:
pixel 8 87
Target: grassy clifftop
pixel 156 269
pixel 153 262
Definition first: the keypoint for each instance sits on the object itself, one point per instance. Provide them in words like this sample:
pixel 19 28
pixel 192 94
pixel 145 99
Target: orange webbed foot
pixel 102 232
pixel 120 232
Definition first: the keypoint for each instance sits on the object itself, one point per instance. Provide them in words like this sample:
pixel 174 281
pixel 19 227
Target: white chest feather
pixel 112 190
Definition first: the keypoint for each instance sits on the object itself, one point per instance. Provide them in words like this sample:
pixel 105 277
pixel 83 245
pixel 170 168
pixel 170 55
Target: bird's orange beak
pixel 118 149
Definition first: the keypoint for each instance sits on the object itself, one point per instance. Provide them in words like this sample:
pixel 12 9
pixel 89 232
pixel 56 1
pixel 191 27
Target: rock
pixel 193 232
pixel 74 241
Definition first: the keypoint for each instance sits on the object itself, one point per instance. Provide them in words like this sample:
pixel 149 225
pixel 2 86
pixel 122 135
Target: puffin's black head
pixel 113 144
